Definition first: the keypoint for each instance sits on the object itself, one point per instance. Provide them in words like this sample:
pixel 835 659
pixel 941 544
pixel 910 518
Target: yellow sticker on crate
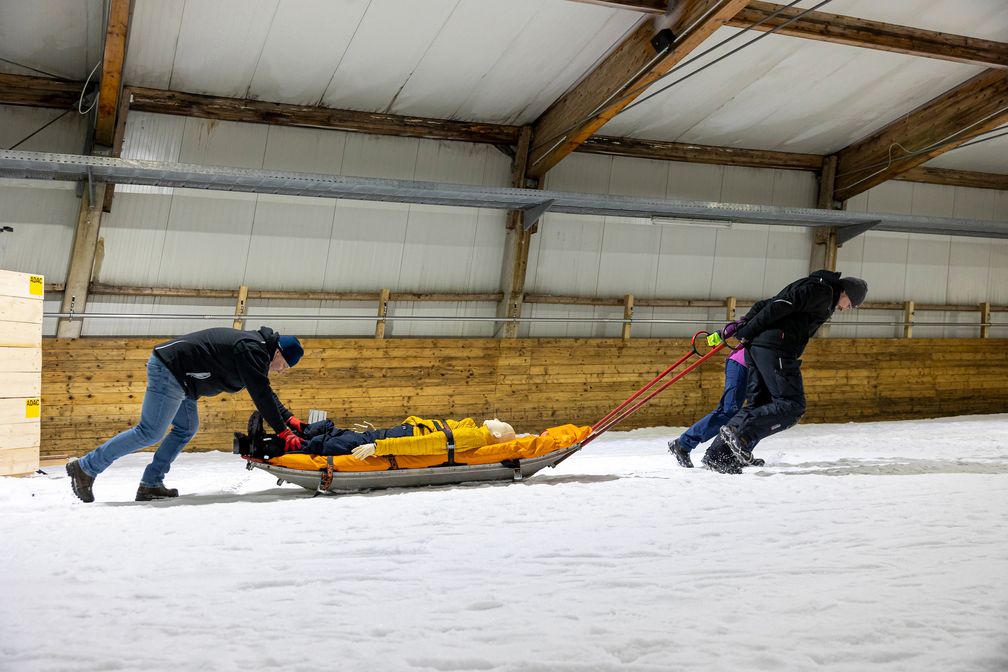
pixel 36 285
pixel 33 408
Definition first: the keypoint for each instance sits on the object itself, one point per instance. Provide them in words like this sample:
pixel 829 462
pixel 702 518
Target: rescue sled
pixel 508 461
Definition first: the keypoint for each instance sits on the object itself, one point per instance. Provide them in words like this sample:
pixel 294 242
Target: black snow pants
pixel 775 395
pixel 325 438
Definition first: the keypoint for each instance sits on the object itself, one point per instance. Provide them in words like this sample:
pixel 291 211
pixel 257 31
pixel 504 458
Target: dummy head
pixel 499 431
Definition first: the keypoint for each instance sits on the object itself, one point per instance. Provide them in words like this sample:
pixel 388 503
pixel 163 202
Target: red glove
pixel 295 424
pixel 291 442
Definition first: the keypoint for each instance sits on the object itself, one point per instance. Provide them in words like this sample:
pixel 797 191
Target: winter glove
pixel 364 451
pixel 296 425
pixel 291 441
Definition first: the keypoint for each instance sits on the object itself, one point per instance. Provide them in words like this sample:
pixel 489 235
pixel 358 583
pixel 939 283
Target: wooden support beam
pixel 117 142
pixel 383 301
pixel 240 305
pixel 517 239
pixel 620 78
pixel 38 91
pixel 985 318
pixel 647 6
pixel 730 306
pixel 111 73
pixel 857 32
pixel 688 153
pixel 908 318
pixel 956 178
pixel 973 108
pixel 627 315
pixel 281 114
pixel 82 260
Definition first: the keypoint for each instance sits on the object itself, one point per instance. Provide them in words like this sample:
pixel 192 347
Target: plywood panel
pixel 20 359
pixel 20 285
pixel 25 410
pixel 21 310
pixel 22 460
pixel 20 335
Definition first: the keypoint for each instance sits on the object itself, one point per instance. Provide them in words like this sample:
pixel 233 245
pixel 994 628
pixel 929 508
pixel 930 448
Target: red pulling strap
pixel 621 412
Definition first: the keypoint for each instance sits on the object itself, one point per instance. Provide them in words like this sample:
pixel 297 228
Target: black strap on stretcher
pixel 442 426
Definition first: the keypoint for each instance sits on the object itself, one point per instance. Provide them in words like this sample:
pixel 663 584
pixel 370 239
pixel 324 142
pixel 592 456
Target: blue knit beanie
pixel 290 348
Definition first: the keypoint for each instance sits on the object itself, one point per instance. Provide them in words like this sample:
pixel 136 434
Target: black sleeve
pixel 805 297
pixel 253 367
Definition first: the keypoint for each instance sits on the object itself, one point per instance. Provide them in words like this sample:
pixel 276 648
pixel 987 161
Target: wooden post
pixel 824 243
pixel 516 246
pixel 627 315
pixel 82 260
pixel 239 321
pixel 379 331
pixel 729 309
pixel 908 318
pixel 985 318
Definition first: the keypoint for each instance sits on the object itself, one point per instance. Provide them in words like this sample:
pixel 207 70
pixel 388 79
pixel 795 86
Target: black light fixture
pixel 6 229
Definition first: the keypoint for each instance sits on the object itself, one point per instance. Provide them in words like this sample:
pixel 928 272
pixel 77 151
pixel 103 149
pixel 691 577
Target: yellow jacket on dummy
pixel 429 437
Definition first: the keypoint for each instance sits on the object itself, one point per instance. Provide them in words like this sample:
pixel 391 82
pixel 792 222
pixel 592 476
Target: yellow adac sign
pixel 33 408
pixel 36 285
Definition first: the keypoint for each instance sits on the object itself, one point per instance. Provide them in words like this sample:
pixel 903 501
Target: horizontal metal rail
pixel 476 318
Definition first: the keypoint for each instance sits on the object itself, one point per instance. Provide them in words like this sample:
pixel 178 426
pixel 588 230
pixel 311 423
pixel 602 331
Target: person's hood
pixel 272 340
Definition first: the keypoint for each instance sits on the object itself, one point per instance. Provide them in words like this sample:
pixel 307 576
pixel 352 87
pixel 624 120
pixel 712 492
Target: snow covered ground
pixel 878 546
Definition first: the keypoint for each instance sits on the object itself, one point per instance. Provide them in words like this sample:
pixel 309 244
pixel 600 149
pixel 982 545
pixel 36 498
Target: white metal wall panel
pixel 134 234
pixel 289 244
pixel 63 136
pixel 43 219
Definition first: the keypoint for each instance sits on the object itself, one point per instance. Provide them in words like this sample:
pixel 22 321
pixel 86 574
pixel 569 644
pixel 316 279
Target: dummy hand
pixel 296 424
pixel 362 427
pixel 291 442
pixel 364 451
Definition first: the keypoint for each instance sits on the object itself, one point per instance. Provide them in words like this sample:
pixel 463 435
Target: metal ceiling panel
pixel 61 38
pixel 305 45
pixel 388 44
pixel 153 39
pixel 788 94
pixel 990 156
pixel 977 18
pixel 219 45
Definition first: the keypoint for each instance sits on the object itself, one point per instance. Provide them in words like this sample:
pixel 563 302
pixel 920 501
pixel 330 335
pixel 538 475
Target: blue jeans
pixel 731 401
pixel 164 404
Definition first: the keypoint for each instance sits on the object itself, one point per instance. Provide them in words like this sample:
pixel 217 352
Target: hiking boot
pixel 723 465
pixel 145 494
pixel 681 454
pixel 80 481
pixel 739 446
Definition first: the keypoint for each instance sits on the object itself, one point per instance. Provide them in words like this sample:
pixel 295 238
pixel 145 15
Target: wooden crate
pixel 21 297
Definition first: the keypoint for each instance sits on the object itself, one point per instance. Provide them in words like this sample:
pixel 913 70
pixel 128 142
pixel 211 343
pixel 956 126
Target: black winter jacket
pixel 787 321
pixel 217 360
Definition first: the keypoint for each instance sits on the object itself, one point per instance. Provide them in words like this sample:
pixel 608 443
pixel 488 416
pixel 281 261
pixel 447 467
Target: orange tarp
pixel 523 447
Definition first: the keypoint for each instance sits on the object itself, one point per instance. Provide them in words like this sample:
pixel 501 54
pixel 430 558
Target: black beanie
pixel 856 290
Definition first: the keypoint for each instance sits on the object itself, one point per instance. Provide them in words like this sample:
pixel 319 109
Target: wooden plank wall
pixel 92 388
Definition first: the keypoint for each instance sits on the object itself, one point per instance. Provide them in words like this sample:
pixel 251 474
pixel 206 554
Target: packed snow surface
pixel 879 546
